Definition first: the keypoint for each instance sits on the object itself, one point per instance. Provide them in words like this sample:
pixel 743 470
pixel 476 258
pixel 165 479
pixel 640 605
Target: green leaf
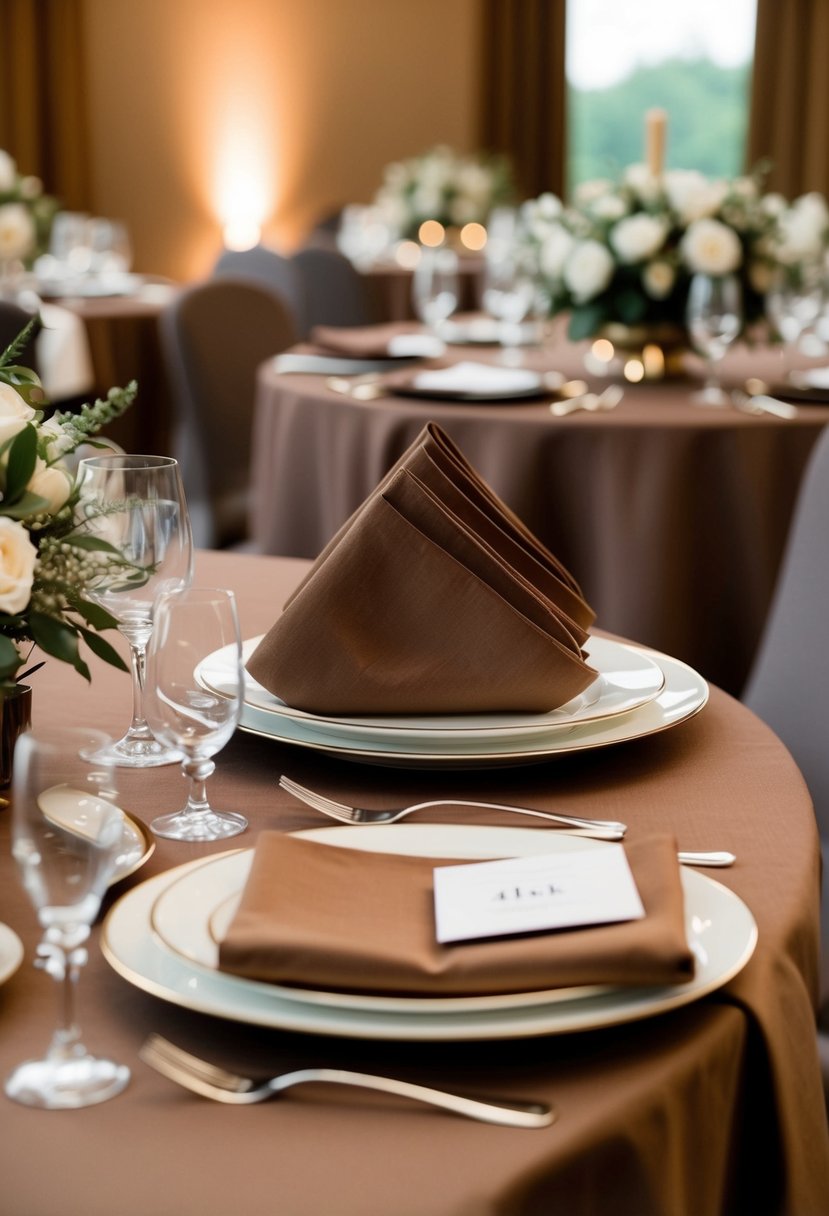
pixel 80 540
pixel 27 505
pixel 101 647
pixel 631 307
pixel 93 614
pixel 21 465
pixel 9 658
pixel 585 320
pixel 59 640
pixel 17 346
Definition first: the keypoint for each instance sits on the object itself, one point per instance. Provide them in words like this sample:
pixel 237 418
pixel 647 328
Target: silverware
pixel 608 399
pixel 361 388
pixel 719 859
pixel 211 1082
pixel 604 829
pixel 761 403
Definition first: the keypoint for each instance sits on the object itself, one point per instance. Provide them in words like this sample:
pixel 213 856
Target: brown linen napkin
pixel 318 916
pixel 358 342
pixel 432 598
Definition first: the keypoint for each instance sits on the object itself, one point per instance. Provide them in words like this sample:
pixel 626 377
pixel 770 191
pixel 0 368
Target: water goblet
pixel 794 304
pixel 714 315
pixel 436 286
pixel 510 294
pixel 67 836
pixel 134 508
pixel 187 712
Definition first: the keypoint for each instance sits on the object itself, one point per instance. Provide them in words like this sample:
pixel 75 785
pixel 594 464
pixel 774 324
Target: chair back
pixel 270 269
pixel 214 336
pixel 334 292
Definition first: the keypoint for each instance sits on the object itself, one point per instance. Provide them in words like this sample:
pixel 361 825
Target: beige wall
pixel 294 105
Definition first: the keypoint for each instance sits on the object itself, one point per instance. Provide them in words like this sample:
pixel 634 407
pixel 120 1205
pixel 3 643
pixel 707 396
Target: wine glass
pixel 714 315
pixel 793 305
pixel 134 505
pixel 67 835
pixel 186 712
pixel 510 294
pixel 436 286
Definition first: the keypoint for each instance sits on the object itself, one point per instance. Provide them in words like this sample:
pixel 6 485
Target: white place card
pixel 530 894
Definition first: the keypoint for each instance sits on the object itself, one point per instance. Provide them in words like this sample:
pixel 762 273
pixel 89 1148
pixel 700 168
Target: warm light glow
pixel 603 350
pixel 653 361
pixel 473 236
pixel 431 233
pixel 241 233
pixel 634 370
pixel 407 255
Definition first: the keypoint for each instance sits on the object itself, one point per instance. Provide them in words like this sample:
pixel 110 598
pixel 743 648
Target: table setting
pixel 466 982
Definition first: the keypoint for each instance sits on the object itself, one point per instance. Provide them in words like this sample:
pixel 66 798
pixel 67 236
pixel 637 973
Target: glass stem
pixel 198 771
pixel 62 955
pixel 139 729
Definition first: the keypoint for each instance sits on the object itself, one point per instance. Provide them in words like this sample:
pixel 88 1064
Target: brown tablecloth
pixel 672 517
pixel 716 1108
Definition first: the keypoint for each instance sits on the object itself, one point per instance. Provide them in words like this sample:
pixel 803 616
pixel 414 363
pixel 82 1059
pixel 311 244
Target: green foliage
pixel 707 109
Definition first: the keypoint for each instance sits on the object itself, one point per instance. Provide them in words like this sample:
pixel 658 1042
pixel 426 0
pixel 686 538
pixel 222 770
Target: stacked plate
pixel 163 937
pixel 637 692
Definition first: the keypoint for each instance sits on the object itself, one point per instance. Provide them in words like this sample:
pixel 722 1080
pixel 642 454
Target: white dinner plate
pixel 721 932
pixel 11 953
pixel 628 677
pixel 468 381
pixel 137 844
pixel 684 694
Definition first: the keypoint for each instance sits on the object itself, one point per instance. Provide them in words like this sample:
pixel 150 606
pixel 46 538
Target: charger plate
pixel 721 931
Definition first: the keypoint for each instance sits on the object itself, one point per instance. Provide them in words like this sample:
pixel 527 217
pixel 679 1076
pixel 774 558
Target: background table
pixel 672 517
pixel 681 1115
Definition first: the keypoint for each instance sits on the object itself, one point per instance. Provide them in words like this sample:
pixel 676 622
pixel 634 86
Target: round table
pixel 713 1108
pixel 673 517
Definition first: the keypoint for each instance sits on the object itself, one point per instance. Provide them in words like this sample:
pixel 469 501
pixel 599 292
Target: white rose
pixel 549 206
pixel 588 270
pixel 710 247
pixel 799 235
pixel 14 412
pixel 52 482
pixel 17 565
pixel 8 173
pixel 638 237
pixel 609 207
pixel 58 441
pixel 658 279
pixel 692 195
pixel 17 231
pixel 644 184
pixel 773 204
pixel 588 192
pixel 557 245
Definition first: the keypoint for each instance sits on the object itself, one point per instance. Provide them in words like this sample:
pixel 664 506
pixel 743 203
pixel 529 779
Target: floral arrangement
pixel 445 186
pixel 26 214
pixel 624 251
pixel 46 557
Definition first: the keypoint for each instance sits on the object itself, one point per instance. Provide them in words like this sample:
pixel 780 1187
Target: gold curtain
pixel 523 89
pixel 42 112
pixel 789 122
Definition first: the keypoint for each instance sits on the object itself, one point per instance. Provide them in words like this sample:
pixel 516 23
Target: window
pixel 691 58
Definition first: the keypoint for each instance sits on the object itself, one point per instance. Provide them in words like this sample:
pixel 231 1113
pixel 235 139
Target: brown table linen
pixel 433 598
pixel 318 916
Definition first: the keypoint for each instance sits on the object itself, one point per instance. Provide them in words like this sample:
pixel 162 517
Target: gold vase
pixel 15 717
pixel 648 352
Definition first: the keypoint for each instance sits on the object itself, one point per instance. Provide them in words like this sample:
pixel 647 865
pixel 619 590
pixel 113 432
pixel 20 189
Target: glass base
pixel 130 752
pixel 199 825
pixel 713 397
pixel 66 1084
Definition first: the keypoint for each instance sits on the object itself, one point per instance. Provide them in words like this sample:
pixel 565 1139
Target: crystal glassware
pixel 436 286
pixel 794 305
pixel 188 713
pixel 510 294
pixel 714 316
pixel 134 508
pixel 67 835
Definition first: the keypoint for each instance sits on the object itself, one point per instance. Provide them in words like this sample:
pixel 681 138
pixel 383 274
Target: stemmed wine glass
pixel 509 294
pixel 436 286
pixel 793 306
pixel 134 508
pixel 186 712
pixel 714 315
pixel 67 835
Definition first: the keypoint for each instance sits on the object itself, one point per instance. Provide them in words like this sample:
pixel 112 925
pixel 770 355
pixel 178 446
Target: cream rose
pixel 692 195
pixel 52 482
pixel 554 251
pixel 17 231
pixel 8 173
pixel 658 279
pixel 638 237
pixel 710 247
pixel 17 565
pixel 588 270
pixel 14 412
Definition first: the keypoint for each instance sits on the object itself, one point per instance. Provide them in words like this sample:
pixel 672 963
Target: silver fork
pixel 211 1082
pixel 606 829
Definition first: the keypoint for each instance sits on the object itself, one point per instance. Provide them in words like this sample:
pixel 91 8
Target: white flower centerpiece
pixel 442 185
pixel 620 256
pixel 46 556
pixel 26 215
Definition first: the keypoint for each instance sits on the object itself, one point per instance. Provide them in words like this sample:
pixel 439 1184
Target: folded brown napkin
pixel 360 342
pixel 319 916
pixel 432 598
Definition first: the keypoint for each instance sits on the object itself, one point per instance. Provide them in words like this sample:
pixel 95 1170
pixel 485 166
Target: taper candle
pixel 656 125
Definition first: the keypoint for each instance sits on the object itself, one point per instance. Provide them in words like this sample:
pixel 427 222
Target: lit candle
pixel 656 125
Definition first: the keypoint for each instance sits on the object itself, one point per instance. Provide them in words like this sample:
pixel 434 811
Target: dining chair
pixel 214 335
pixel 333 290
pixel 271 268
pixel 787 683
pixel 13 318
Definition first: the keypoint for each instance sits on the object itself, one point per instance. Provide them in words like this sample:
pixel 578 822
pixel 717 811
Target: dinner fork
pixel 606 829
pixel 606 400
pixel 212 1082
